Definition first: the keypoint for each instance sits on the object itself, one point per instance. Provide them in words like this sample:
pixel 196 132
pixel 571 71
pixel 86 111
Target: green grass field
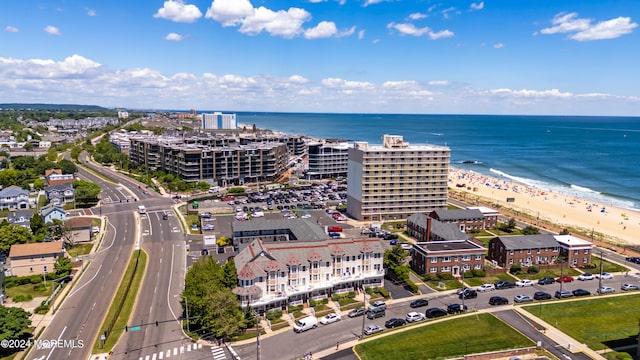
pixel 448 339
pixel 610 320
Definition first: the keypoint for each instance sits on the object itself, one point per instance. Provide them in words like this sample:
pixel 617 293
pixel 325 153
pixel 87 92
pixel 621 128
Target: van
pixel 375 312
pixel 304 324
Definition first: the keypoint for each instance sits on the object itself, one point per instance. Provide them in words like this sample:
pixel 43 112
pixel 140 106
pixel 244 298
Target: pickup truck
pixel 334 229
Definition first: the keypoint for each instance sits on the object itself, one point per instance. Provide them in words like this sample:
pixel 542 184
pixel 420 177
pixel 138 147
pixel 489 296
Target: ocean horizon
pixel 590 157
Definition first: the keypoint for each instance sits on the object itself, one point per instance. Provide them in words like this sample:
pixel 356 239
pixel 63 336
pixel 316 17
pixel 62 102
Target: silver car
pixel 372 329
pixel 630 287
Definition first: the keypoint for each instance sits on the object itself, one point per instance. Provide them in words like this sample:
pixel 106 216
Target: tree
pixel 14 323
pixel 36 223
pixel 38 184
pixel 86 193
pixel 28 146
pixel 530 230
pixel 67 166
pixel 394 257
pixel 52 154
pixel 511 224
pixel 12 234
pixel 230 278
pixel 63 266
pixel 75 152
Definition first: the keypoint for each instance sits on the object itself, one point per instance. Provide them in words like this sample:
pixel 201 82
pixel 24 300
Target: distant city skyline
pixel 343 56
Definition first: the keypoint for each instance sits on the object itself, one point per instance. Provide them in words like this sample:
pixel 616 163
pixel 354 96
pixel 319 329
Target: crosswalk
pixel 177 352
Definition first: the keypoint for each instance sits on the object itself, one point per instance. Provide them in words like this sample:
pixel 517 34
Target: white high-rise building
pixel 395 180
pixel 218 120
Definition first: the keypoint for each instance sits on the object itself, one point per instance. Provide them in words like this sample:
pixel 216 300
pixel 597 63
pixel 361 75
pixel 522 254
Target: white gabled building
pixel 276 274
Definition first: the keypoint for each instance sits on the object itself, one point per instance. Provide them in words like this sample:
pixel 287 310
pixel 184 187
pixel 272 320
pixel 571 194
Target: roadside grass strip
pixel 120 317
pixel 444 340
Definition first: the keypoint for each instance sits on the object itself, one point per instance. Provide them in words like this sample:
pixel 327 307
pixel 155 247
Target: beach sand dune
pixel 617 226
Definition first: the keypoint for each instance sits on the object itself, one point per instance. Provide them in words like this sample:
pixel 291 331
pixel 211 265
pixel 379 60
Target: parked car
pixel 456 308
pixel 374 313
pixel 380 305
pixel 524 283
pixel 485 288
pixel 334 229
pixel 606 290
pixel 414 317
pixel 304 324
pixel 561 294
pixel 394 322
pixel 498 300
pixel 581 292
pixel 604 276
pixel 357 312
pixel 504 284
pixel 419 303
pixel 565 279
pixel 546 280
pixel 541 295
pixel 630 287
pixel 330 318
pixel 635 260
pixel 435 312
pixel 521 298
pixel 586 276
pixel 372 329
pixel 468 293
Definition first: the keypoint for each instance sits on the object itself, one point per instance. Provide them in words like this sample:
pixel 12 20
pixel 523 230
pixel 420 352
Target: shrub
pixel 412 286
pixel 274 314
pixel 294 308
pixel 478 273
pixel 312 303
pixel 383 292
pixel 590 266
pixel 351 295
pixel 22 298
pixel 40 287
pixel 42 309
pixel 515 269
pixel 335 297
pixel 467 274
pixel 445 276
pixel 35 279
pixel 533 269
pixel 369 290
pixel 325 301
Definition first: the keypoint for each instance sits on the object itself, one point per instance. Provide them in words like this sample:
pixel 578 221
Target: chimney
pixel 428 237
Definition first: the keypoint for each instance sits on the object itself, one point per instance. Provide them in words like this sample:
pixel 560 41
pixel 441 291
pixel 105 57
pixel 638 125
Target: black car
pixel 419 303
pixel 546 280
pixel 635 260
pixel 468 293
pixel 498 300
pixel 394 322
pixel 357 312
pixel 505 284
pixel 541 295
pixel 580 292
pixel 435 312
pixel 456 308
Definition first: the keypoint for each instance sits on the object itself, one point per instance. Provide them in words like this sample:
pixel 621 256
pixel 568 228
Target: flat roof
pixel 571 240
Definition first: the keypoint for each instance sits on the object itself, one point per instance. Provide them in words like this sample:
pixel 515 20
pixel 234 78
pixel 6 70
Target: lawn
pixel 448 285
pixel 607 266
pixel 445 340
pixel 611 319
pixel 79 249
pixel 33 290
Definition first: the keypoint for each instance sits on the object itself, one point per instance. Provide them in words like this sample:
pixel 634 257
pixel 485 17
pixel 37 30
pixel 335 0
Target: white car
pixel 415 317
pixel 330 318
pixel 604 275
pixel 606 290
pixel 486 287
pixel 586 276
pixel 525 282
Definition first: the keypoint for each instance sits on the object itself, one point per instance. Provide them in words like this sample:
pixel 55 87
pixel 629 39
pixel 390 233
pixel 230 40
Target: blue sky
pixel 373 56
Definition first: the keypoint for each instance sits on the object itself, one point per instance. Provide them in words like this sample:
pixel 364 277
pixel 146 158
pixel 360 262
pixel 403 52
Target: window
pixel 511 261
pixel 466 257
pixel 478 257
pixel 433 269
pixel 446 259
pixel 510 252
pixel 528 251
pixel 434 259
pixel 477 267
pixel 576 252
pixel 586 251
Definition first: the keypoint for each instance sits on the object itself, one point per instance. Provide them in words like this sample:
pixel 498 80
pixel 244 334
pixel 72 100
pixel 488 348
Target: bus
pixel 141 209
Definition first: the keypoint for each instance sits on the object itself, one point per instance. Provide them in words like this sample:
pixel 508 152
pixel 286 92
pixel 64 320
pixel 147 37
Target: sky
pixel 561 57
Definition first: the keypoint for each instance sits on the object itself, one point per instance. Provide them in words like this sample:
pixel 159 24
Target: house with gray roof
pixel 525 250
pixel 276 274
pixel 14 198
pixel 466 219
pixel 51 212
pixel 425 228
pixel 245 232
pixel 21 218
pixel 60 194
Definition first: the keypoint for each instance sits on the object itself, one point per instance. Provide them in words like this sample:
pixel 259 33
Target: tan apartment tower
pixel 394 180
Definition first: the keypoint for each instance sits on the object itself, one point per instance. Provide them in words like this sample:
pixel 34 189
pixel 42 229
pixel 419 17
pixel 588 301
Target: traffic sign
pixel 134 328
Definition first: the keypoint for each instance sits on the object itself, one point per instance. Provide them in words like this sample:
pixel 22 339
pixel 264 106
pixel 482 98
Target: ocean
pixel 596 158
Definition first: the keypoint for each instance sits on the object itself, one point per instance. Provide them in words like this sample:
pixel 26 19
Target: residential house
pixel 51 212
pixel 449 257
pixel 277 274
pixel 60 194
pixel 525 250
pixel 14 198
pixel 21 217
pixel 577 252
pixel 55 177
pixel 81 229
pixel 425 228
pixel 34 258
pixel 465 219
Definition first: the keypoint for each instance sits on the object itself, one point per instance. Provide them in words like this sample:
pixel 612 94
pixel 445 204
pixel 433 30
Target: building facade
pixel 448 257
pixel 524 250
pixel 277 274
pixel 14 198
pixel 465 219
pixel 394 180
pixel 425 228
pixel 327 160
pixel 34 258
pixel 577 252
pixel 218 120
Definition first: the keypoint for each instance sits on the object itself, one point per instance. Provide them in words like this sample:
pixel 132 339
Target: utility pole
pixel 600 277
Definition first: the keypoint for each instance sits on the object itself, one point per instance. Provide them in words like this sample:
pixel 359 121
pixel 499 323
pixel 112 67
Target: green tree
pixel 37 223
pixel 12 234
pixel 86 193
pixel 14 323
pixel 67 166
pixel 75 152
pixel 63 266
pixel 38 184
pixel 28 146
pixel 230 278
pixel 52 154
pixel 24 162
pixel 530 230
pixel 511 225
pixel 394 257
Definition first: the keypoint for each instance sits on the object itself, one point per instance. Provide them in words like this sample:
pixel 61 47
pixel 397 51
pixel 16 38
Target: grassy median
pixel 127 299
pixel 444 340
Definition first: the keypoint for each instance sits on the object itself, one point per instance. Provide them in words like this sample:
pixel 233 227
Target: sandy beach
pixel 620 227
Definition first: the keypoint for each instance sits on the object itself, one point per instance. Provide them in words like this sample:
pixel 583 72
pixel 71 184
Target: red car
pixel 564 279
pixel 334 229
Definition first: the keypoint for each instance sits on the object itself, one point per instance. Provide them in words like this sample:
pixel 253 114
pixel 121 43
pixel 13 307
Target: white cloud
pixel 91 12
pixel 52 30
pixel 527 93
pixel 287 24
pixel 585 30
pixel 298 79
pixel 324 29
pixel 440 34
pixel 174 37
pixel 361 34
pixel 229 12
pixel 10 28
pixel 410 29
pixel 178 11
pixel 438 82
pixel 372 2
pixel 498 46
pixel 446 13
pixel 477 6
pixel 417 16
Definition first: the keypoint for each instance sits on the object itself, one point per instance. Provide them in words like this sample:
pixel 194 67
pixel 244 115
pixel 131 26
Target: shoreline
pixel 607 223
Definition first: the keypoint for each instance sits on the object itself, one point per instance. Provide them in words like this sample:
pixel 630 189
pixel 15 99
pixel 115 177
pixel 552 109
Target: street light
pixel 600 277
pixel 365 312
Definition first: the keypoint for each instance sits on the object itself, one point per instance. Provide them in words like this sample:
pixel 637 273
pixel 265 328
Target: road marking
pixel 59 337
pixel 218 353
pixel 160 356
pixel 85 284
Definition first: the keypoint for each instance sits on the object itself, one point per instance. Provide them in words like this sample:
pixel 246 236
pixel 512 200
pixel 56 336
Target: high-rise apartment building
pixel 327 160
pixel 394 180
pixel 218 120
